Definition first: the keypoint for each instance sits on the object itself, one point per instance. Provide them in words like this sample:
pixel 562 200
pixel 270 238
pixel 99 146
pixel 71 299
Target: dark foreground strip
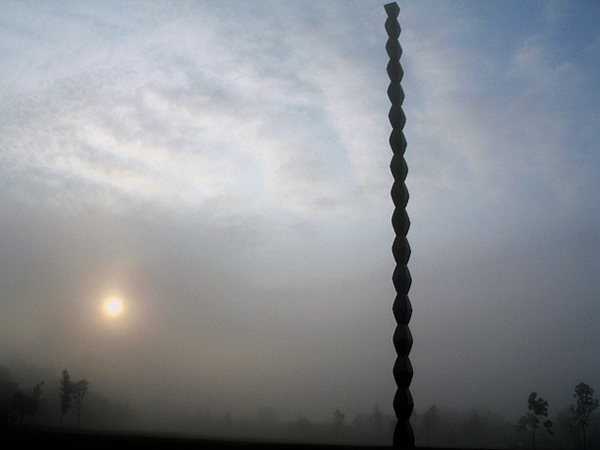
pixel 86 440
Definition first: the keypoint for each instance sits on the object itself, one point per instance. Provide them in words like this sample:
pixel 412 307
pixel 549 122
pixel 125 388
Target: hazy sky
pixel 223 168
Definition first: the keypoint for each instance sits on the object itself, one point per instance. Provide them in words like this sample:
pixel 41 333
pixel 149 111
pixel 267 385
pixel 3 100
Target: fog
pixel 223 169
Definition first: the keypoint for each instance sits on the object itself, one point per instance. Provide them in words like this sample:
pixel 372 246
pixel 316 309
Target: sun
pixel 113 306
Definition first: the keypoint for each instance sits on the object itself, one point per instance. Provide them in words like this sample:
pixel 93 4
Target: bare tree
pixel 430 421
pixel 567 423
pixel 27 404
pixel 338 422
pixel 65 393
pixel 586 404
pixel 338 418
pixel 80 388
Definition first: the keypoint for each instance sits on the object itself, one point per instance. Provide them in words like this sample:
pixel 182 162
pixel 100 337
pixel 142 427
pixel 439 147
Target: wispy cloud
pixel 193 121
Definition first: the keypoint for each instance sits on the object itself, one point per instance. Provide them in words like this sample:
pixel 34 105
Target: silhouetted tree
pixel 586 404
pixel 377 420
pixel 538 408
pixel 567 422
pixel 476 427
pixel 79 389
pixel 338 422
pixel 430 421
pixel 303 425
pixel 8 388
pixel 338 418
pixel 27 404
pixel 65 393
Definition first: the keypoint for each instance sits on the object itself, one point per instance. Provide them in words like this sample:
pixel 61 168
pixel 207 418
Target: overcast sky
pixel 223 168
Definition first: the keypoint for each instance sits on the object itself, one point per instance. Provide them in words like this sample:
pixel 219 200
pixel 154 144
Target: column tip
pixel 392 9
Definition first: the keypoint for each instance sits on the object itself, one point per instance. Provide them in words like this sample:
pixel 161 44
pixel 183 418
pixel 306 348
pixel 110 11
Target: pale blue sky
pixel 223 166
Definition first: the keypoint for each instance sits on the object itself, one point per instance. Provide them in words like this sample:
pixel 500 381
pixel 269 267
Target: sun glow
pixel 113 306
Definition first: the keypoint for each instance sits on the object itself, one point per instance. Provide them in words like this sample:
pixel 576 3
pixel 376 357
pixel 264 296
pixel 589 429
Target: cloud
pixel 161 120
pixel 224 167
pixel 490 131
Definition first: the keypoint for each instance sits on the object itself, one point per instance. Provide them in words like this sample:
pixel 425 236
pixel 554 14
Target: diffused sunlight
pixel 113 306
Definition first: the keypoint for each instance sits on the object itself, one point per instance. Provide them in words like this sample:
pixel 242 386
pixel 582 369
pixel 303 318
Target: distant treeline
pixel 39 398
pixel 369 428
pixel 34 397
pixel 573 427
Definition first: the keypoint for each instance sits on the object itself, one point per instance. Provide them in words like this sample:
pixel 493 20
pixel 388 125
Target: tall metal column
pixel 403 371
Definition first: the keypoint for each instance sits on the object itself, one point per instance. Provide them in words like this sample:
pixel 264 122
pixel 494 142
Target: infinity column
pixel 403 371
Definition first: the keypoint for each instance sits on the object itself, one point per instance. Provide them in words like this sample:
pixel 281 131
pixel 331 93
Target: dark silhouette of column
pixel 403 372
